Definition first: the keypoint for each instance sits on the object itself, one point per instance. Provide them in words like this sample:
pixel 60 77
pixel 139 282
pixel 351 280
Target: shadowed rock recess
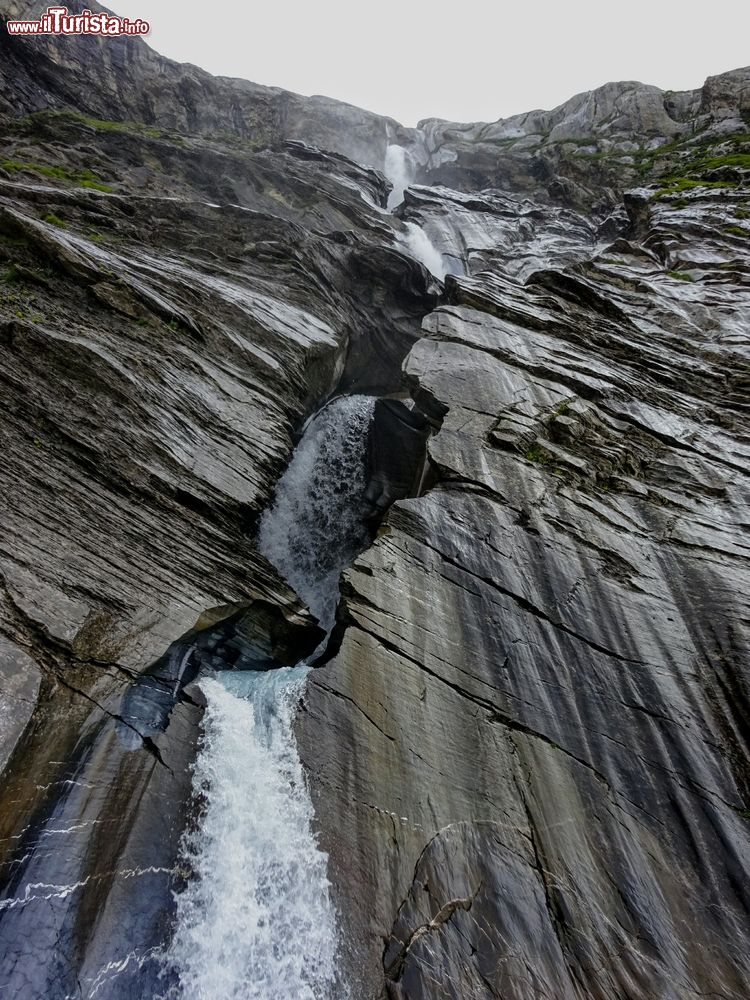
pixel 527 741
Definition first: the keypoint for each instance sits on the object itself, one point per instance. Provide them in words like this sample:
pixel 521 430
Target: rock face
pixel 395 455
pixel 172 311
pixel 527 740
pixel 96 77
pixel 548 650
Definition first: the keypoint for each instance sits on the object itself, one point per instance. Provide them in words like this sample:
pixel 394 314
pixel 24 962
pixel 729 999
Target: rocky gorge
pixel 525 731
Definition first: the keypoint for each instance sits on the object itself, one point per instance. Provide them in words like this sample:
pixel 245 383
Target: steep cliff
pixel 527 738
pixel 548 650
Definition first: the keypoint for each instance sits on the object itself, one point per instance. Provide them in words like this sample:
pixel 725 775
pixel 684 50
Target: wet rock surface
pixel 19 689
pixel 548 651
pixel 396 455
pixel 528 743
pixel 96 802
pixel 171 314
pixel 90 847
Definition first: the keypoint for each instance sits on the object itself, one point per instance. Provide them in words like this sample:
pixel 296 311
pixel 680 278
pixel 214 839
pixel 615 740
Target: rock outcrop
pixel 527 740
pixel 547 652
pixel 172 311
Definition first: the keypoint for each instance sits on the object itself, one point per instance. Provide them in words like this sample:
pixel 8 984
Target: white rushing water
pixel 255 920
pixel 425 251
pixel 400 169
pixel 316 524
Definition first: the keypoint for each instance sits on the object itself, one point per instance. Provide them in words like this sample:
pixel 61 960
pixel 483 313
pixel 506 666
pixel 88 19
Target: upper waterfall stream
pixel 421 246
pixel 400 169
pixel 255 921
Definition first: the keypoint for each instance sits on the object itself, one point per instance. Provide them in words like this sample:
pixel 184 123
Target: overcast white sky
pixel 467 60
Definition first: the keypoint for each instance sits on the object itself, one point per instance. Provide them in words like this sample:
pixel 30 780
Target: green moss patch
pixel 54 220
pixel 717 162
pixel 100 124
pixel 680 275
pixel 83 178
pixel 11 275
pixel 675 185
pixel 538 455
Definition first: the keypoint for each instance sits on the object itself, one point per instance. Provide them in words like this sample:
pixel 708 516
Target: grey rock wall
pixel 528 740
pixel 165 333
pixel 542 683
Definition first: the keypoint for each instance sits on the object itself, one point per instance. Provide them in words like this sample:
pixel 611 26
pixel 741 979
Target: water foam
pixel 400 169
pixel 421 247
pixel 316 525
pixel 255 922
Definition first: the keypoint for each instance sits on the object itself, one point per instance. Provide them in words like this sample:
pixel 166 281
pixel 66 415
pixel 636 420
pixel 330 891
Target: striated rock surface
pixel 542 674
pixel 527 740
pixel 172 311
pixel 548 652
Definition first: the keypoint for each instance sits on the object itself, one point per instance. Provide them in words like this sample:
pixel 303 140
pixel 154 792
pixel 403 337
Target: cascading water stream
pixel 255 922
pixel 421 246
pixel 400 169
pixel 317 523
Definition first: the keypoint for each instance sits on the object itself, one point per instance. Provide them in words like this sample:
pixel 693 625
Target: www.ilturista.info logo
pixel 57 21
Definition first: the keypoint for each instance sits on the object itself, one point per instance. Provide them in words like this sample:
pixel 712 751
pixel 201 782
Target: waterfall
pixel 421 246
pixel 255 920
pixel 317 522
pixel 399 169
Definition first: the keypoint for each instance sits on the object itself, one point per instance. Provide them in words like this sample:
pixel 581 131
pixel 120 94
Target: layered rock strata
pixel 527 741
